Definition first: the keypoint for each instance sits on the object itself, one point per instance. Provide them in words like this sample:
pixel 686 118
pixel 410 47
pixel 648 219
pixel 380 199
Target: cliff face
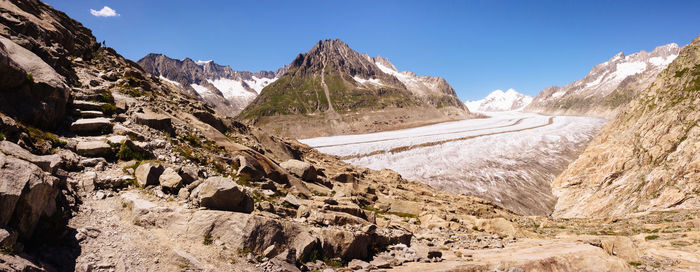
pixel 332 90
pixel 646 158
pixel 608 87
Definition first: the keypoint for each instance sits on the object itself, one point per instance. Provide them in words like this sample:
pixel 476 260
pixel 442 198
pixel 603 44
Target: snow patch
pixel 258 84
pixel 231 88
pixel 201 90
pixel 629 68
pixel 169 81
pixel 202 62
pixel 659 61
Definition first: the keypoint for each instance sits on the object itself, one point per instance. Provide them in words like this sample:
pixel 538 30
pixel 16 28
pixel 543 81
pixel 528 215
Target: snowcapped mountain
pixel 608 86
pixel 332 89
pixel 499 100
pixel 225 89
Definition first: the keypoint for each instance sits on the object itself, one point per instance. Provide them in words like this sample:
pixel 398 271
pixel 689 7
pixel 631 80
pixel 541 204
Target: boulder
pixel 170 180
pixel 156 121
pixel 219 193
pixel 622 247
pixel 98 125
pixel 148 173
pixel 26 194
pixel 94 149
pixel 48 163
pixel 344 177
pixel 211 120
pixel 30 89
pixel 303 170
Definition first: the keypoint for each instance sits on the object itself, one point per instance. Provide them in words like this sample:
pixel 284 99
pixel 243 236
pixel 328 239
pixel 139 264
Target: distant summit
pixel 499 100
pixel 331 89
pixel 223 88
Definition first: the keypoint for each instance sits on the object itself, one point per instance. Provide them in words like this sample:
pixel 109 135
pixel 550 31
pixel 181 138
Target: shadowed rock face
pixel 608 87
pixel 48 33
pixel 30 89
pixel 648 157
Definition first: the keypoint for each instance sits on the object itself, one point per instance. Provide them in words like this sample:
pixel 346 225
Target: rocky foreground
pixel 126 173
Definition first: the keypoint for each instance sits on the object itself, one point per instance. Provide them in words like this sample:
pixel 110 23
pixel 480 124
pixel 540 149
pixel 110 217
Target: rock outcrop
pixel 647 158
pixel 30 89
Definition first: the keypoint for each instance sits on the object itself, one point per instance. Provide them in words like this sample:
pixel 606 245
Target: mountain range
pixel 499 100
pixel 107 167
pixel 608 87
pixel 332 89
pixel 225 89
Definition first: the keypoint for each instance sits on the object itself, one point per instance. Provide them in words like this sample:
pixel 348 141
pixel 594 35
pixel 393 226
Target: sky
pixel 477 46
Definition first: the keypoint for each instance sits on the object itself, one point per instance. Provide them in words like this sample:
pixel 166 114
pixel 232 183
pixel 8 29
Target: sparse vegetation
pixel 651 237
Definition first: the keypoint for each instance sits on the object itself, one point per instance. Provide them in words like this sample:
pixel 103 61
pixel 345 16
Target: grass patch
pixel 127 153
pixel 108 109
pixel 207 238
pixel 651 237
pixel 243 179
pixel 635 264
pixel 30 77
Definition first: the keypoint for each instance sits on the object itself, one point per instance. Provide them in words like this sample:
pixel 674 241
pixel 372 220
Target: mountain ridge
pixel 608 87
pixel 227 90
pixel 333 89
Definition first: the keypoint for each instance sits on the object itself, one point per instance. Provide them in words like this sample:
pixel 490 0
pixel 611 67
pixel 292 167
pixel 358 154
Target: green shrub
pixel 651 237
pixel 30 77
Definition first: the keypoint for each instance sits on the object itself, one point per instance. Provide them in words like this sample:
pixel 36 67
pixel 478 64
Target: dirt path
pixel 411 147
pixel 426 135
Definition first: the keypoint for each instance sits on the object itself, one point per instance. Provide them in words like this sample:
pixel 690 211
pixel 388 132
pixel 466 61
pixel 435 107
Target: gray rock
pixel 91 114
pixel 26 194
pixel 88 105
pixel 170 180
pixel 292 201
pixel 155 121
pixel 91 125
pixel 48 163
pixel 148 173
pixel 303 170
pixel 358 264
pixel 31 90
pixel 221 193
pixel 94 149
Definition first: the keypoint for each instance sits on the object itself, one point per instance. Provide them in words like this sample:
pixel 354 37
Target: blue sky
pixel 478 46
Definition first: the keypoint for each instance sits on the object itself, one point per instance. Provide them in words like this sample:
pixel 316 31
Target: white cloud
pixel 104 12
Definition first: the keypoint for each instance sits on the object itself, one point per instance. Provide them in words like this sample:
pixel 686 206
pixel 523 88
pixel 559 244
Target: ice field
pixel 510 158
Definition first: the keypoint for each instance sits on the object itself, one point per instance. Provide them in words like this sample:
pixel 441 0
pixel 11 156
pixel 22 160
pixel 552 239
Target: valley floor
pixel 509 158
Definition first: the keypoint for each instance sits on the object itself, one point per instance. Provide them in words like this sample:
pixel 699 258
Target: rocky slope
pixel 223 88
pixel 648 157
pixel 499 100
pixel 137 176
pixel 608 87
pixel 334 90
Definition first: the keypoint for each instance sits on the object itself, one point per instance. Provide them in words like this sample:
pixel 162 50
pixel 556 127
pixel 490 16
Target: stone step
pixel 87 105
pixel 93 126
pixel 91 114
pixel 94 149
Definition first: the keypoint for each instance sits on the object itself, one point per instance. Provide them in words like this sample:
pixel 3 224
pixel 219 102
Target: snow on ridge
pixel 231 88
pixel 202 62
pixel 169 81
pixel 374 81
pixel 258 84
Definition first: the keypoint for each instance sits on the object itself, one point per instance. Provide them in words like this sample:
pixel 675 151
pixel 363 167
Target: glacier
pixel 510 158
